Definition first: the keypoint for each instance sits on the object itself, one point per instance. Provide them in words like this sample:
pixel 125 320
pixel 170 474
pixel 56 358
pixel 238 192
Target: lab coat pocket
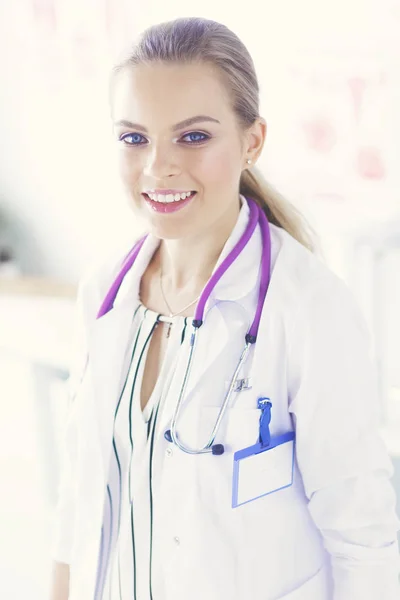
pixel 315 588
pixel 239 427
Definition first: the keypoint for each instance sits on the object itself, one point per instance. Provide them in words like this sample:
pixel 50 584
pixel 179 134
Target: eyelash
pixel 205 138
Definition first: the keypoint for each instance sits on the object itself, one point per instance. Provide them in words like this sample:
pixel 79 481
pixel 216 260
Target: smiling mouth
pixel 168 197
pixel 170 206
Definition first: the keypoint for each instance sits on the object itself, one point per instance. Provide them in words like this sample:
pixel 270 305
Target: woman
pixel 140 518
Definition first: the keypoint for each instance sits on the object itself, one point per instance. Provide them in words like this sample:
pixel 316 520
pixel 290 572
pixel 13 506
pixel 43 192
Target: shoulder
pixel 308 290
pixel 96 280
pixel 294 265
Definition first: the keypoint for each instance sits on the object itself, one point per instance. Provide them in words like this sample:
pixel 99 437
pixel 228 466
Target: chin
pixel 169 233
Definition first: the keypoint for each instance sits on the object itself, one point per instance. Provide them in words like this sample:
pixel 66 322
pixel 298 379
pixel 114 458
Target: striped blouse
pixel 125 562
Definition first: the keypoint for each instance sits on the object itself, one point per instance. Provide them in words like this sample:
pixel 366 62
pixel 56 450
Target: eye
pixel 132 139
pixel 196 137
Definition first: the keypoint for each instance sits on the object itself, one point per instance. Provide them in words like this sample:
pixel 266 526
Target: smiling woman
pixel 289 499
pixel 201 154
pixel 188 105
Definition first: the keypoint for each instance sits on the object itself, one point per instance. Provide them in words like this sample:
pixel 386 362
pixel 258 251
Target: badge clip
pixel 265 418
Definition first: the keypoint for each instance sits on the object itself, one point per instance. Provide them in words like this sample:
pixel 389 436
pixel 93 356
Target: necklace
pixel 172 314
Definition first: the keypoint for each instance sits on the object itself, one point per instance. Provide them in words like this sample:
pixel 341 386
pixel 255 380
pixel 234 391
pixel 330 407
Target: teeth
pixel 167 198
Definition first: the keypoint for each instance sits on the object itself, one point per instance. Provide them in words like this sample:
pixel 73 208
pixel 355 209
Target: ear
pixel 255 137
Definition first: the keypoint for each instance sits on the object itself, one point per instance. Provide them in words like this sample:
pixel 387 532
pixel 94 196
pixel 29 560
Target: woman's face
pixel 181 152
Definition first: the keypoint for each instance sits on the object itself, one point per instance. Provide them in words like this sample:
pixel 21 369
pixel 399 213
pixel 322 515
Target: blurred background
pixel 330 92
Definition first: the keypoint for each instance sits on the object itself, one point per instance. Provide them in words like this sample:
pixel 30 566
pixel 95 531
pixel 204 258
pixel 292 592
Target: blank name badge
pixel 261 470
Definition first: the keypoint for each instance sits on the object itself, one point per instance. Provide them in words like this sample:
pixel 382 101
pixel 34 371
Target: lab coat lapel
pixel 222 324
pixel 108 343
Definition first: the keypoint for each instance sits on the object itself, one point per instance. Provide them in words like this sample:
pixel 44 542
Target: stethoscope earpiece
pixel 168 436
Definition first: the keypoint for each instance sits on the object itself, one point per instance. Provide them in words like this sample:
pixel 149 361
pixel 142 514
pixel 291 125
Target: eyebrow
pixel 181 125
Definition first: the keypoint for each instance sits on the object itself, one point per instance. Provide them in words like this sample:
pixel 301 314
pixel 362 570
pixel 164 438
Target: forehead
pixel 160 95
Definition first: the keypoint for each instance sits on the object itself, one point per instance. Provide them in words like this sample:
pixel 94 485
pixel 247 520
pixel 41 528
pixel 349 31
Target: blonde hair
pixel 194 39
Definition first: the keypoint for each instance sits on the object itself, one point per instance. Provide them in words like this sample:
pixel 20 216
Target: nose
pixel 160 163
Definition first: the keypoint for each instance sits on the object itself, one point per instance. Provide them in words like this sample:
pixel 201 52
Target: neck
pixel 188 263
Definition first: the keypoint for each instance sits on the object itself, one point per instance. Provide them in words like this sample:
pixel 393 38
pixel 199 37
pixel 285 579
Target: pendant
pixel 169 329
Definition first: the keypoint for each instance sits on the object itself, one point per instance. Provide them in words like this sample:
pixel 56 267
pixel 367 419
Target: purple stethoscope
pixel 257 216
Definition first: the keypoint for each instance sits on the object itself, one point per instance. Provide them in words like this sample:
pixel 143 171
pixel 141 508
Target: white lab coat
pixel 332 534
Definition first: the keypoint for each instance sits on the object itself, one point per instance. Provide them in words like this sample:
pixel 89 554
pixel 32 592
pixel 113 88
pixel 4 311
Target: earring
pixel 248 161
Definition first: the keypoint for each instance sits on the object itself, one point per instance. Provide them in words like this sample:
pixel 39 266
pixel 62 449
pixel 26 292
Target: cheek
pixel 217 167
pixel 129 169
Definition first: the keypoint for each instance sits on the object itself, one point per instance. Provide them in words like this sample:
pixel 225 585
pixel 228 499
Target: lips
pixel 168 207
